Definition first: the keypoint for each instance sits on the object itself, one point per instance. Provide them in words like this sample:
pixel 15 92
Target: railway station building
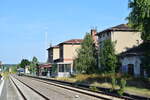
pixel 61 57
pixel 127 44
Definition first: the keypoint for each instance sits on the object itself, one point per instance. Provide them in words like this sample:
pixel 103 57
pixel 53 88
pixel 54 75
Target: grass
pixel 66 79
pixel 104 85
pixel 134 90
pixel 5 75
pixel 134 85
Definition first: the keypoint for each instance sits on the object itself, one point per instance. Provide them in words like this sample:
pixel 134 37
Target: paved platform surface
pixel 8 91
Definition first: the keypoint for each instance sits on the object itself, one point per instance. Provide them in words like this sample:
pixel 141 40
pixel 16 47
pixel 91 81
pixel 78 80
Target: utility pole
pixel 46 34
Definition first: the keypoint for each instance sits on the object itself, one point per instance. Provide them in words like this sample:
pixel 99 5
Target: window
pixel 131 69
pixel 100 36
pixel 67 67
pixel 103 35
pixel 64 67
pixel 61 68
pixel 141 70
pixel 108 34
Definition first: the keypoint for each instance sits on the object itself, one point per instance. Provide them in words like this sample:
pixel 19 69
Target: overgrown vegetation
pixel 124 83
pixel 24 63
pixel 86 59
pixel 93 88
pixel 139 18
pixel 108 59
pixel 33 67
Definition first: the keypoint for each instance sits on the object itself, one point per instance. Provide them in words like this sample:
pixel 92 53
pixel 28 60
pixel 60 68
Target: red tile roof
pixel 45 66
pixel 73 41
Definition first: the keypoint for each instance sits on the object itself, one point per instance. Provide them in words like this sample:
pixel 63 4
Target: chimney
pixel 94 36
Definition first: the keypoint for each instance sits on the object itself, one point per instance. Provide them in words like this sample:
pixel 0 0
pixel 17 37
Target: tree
pixel 24 63
pixel 139 18
pixel 145 59
pixel 86 59
pixel 14 68
pixel 34 65
pixel 108 59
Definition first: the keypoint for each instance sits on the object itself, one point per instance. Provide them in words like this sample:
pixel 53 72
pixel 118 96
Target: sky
pixel 23 24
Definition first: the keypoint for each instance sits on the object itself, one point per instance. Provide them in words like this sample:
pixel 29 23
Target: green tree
pixel 14 68
pixel 139 18
pixel 86 60
pixel 108 59
pixel 145 59
pixel 34 66
pixel 24 63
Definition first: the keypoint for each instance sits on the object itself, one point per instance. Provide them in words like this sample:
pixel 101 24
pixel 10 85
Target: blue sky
pixel 24 22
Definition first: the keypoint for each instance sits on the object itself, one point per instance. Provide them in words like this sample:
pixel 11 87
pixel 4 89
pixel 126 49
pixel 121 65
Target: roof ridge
pixel 120 27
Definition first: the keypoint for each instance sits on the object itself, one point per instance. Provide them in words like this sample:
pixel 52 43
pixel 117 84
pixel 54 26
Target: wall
pixel 55 53
pixel 104 36
pixel 50 55
pixel 135 60
pixel 125 40
pixel 70 51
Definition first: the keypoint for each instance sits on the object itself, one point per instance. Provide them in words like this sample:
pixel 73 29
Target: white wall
pixel 135 60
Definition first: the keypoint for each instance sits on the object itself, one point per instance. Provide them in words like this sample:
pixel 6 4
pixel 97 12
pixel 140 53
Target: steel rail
pixel 21 93
pixel 86 87
pixel 46 98
pixel 49 82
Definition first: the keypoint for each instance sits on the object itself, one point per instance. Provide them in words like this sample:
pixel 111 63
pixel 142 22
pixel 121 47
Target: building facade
pixel 68 52
pixel 61 57
pixel 131 61
pixel 123 36
pixel 53 54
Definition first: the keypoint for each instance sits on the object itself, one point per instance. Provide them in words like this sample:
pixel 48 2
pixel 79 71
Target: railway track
pixel 23 95
pixel 86 87
pixel 83 91
pixel 68 95
pixel 19 90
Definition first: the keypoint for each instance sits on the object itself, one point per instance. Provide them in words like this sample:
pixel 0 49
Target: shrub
pixel 93 88
pixel 113 82
pixel 122 86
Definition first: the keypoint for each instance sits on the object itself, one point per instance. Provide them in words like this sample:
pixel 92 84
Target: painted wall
pixel 50 55
pixel 125 40
pixel 55 53
pixel 104 36
pixel 135 60
pixel 70 52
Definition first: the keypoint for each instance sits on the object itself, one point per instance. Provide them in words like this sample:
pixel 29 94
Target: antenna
pixel 46 35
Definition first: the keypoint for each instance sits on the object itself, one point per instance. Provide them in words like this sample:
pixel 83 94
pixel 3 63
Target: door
pixel 130 69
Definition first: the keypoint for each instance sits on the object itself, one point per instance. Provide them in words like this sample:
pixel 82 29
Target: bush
pixel 122 86
pixel 113 82
pixel 93 88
